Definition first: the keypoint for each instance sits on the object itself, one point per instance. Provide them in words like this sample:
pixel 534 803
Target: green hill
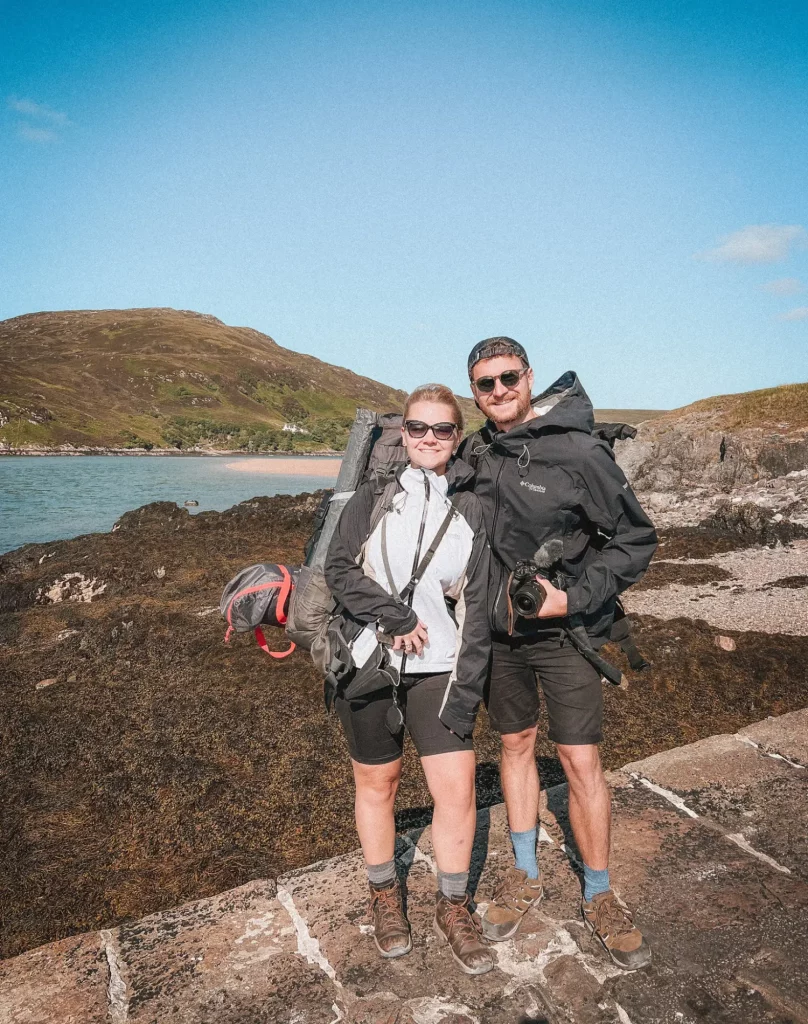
pixel 136 378
pixel 632 416
pixel 168 378
pixel 783 409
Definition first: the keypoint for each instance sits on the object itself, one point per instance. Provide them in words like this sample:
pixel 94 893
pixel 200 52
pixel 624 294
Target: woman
pixel 421 658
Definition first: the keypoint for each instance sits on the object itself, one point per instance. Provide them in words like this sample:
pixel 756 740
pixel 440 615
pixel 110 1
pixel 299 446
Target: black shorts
pixel 371 742
pixel 573 691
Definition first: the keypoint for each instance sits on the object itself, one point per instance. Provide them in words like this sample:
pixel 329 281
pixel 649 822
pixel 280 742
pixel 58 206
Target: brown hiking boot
pixel 455 923
pixel 509 904
pixel 391 930
pixel 609 920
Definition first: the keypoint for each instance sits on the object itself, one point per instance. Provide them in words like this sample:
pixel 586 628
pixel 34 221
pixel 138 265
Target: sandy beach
pixel 289 467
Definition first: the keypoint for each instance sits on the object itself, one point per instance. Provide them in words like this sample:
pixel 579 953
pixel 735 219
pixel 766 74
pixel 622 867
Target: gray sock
pixel 382 876
pixel 453 884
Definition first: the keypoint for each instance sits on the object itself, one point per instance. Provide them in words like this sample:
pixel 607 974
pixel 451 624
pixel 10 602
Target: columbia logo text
pixel 532 487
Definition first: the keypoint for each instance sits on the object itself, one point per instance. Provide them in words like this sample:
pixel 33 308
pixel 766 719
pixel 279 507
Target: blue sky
pixel 620 186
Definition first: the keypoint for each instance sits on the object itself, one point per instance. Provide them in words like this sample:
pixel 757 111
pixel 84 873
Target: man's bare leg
pixel 520 779
pixel 607 917
pixel 589 802
pixel 520 888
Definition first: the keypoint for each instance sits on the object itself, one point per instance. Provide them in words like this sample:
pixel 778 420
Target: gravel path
pixel 743 602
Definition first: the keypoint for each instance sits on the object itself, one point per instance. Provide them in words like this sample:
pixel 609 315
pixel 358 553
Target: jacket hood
pixel 563 406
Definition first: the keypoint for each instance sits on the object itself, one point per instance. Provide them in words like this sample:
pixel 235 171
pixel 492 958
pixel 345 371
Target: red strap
pixel 262 643
pixel 285 586
pixel 283 596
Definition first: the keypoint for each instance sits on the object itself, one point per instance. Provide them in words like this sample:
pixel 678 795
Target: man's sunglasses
pixel 442 431
pixel 510 378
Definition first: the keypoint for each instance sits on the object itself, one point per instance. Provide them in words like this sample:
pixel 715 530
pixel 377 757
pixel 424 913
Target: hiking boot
pixel 511 900
pixel 609 920
pixel 455 923
pixel 391 930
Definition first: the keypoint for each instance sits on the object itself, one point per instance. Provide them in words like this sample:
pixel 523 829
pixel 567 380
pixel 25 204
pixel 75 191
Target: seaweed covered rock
pixel 753 524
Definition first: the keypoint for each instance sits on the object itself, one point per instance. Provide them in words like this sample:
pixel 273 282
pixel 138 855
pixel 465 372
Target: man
pixel 542 475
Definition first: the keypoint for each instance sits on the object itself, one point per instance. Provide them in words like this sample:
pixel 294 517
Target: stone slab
pixel 64 982
pixel 759 799
pixel 231 959
pixel 547 970
pixel 332 898
pixel 786 735
pixel 714 915
pixel 727 928
pixel 426 986
pixel 723 760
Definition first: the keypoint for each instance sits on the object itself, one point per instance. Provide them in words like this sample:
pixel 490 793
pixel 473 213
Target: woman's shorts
pixel 420 697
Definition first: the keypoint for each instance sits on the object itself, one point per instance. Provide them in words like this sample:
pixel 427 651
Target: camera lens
pixel 525 603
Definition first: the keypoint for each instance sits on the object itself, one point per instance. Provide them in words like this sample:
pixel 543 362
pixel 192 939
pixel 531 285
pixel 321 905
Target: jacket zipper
pixel 417 559
pixel 493 535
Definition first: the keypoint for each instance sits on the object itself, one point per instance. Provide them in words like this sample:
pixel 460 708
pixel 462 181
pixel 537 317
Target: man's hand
pixel 555 601
pixel 414 642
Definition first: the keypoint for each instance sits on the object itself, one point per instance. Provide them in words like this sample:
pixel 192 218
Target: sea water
pixel 52 497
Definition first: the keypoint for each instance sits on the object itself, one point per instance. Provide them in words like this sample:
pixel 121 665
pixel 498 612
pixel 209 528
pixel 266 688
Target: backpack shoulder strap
pixel 471 449
pixel 385 492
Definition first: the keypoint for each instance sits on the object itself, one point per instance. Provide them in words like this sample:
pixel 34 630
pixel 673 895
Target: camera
pixel 527 594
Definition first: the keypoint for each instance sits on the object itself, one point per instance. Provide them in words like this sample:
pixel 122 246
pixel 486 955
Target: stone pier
pixel 710 845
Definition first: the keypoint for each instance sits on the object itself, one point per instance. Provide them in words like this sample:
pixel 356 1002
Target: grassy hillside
pixel 171 378
pixel 783 410
pixel 632 416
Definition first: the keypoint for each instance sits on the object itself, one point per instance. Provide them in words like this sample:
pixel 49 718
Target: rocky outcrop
pixel 721 442
pixel 665 459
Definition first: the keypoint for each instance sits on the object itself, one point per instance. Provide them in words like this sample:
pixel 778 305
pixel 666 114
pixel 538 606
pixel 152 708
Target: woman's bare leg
pixel 376 788
pixel 450 778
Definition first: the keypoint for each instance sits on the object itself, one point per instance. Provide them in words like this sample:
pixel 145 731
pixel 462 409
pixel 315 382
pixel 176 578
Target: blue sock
pixel 524 850
pixel 595 882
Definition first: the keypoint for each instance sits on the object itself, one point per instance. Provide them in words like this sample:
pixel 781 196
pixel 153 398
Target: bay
pixel 46 497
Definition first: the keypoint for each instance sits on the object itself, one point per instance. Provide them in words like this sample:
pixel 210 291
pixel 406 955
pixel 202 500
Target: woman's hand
pixel 412 642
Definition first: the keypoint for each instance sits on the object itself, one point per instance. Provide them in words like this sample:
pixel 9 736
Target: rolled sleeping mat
pixel 350 476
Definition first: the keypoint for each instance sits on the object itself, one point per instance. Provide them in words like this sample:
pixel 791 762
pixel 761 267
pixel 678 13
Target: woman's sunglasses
pixel 510 378
pixel 442 431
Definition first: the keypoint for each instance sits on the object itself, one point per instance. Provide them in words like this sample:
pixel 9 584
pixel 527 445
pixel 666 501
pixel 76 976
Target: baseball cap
pixel 491 347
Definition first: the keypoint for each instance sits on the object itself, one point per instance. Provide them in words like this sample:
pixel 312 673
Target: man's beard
pixel 517 412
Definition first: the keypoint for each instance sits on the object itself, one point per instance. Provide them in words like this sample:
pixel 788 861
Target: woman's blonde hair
pixel 436 393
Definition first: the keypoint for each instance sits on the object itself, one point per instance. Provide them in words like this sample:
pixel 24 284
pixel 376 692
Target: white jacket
pixel 422 492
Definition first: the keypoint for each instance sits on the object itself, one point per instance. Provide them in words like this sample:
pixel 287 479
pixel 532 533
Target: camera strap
pixel 394 719
pixel 423 565
pixel 510 604
pixel 579 639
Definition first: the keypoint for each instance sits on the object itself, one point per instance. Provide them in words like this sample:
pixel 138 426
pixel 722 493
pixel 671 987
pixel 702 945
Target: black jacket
pixel 366 602
pixel 549 478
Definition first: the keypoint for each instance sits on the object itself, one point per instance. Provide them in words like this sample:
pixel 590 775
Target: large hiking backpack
pixel 375 451
pixel 257 596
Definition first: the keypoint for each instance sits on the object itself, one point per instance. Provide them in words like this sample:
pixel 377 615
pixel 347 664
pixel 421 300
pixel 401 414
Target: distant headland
pixel 151 381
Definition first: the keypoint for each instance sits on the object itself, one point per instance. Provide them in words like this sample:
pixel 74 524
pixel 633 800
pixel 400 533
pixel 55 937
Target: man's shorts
pixel 371 742
pixel 573 691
